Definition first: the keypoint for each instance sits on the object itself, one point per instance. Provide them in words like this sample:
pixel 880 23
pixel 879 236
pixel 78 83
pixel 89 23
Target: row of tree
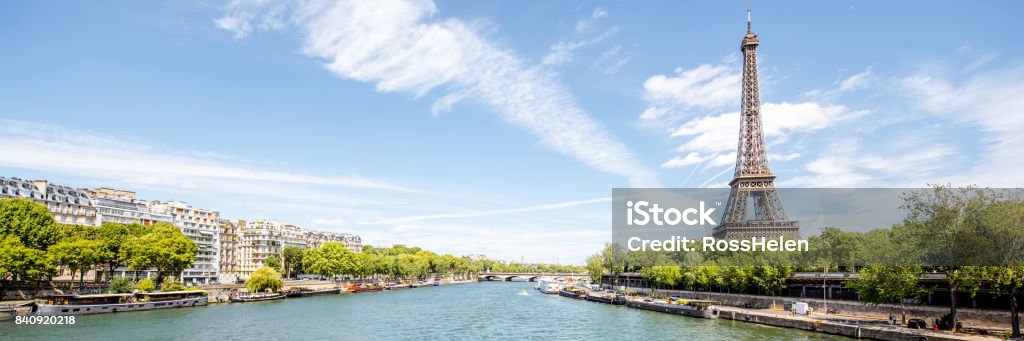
pixel 975 236
pixel 390 263
pixel 33 246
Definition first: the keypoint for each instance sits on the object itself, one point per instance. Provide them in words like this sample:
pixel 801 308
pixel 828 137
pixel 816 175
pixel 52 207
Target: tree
pixel 29 221
pixel 112 236
pixel 330 260
pixel 1010 280
pixel 121 285
pixel 273 262
pixel 77 255
pixel 172 285
pixel 20 263
pixel 292 260
pixel 165 248
pixel 661 275
pixel 146 285
pixel 264 279
pixel 595 268
pixel 613 260
pixel 889 284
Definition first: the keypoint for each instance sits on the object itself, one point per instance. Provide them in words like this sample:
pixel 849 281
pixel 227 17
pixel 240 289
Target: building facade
pixel 67 205
pixel 202 227
pixel 228 268
pixel 122 207
pixel 317 239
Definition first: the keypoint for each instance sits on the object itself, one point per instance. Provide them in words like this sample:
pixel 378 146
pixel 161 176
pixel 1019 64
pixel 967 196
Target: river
pixel 488 310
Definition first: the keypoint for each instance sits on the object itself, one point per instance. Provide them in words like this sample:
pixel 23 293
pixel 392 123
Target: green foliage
pixel 77 255
pixel 145 285
pixel 121 285
pixel 29 221
pixel 20 263
pixel 292 259
pixel 171 285
pixel 330 260
pixel 273 262
pixel 264 279
pixel 165 248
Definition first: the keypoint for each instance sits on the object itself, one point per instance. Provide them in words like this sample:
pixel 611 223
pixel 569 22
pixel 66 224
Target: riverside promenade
pixel 851 326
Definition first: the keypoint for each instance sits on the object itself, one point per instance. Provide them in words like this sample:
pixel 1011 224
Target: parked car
pixel 916 324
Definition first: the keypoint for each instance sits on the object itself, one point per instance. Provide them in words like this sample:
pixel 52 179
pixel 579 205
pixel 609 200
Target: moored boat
pixel 573 292
pixel 364 288
pixel 692 308
pixel 243 298
pixel 548 286
pixel 610 298
pixel 305 292
pixel 114 303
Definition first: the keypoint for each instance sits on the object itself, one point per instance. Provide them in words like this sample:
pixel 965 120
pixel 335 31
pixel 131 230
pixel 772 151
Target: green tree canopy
pixel 29 221
pixel 264 279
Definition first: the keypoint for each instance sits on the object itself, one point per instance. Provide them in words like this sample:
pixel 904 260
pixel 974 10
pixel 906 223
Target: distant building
pixel 228 268
pixel 122 207
pixel 318 238
pixel 201 226
pixel 476 257
pixel 67 205
pixel 260 239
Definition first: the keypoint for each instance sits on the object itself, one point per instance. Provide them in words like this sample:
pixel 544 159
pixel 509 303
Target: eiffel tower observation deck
pixel 754 208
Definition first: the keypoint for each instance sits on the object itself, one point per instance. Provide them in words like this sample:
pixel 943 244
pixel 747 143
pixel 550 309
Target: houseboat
pixel 365 288
pixel 306 292
pixel 692 308
pixel 606 297
pixel 573 292
pixel 250 297
pixel 114 303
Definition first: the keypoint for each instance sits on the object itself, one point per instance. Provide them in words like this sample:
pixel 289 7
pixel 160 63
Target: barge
pixel 114 303
pixel 692 308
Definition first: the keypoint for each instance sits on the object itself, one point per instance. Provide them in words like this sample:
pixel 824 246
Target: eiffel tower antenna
pixel 748 20
pixel 753 184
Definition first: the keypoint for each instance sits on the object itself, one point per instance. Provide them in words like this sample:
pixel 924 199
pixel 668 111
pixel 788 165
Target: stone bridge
pixel 527 276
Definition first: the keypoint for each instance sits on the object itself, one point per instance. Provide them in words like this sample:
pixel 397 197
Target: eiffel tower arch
pixel 754 208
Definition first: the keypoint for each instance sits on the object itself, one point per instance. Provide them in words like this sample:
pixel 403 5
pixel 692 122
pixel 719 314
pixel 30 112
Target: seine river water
pixel 489 310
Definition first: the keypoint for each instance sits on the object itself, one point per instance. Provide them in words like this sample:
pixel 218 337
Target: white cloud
pixel 599 13
pixel 989 101
pixel 400 46
pixel 719 133
pixel 90 154
pixel 858 81
pixel 562 52
pixel 706 86
pixel 472 214
pixel 693 158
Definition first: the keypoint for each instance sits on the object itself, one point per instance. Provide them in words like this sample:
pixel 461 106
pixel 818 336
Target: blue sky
pixel 497 127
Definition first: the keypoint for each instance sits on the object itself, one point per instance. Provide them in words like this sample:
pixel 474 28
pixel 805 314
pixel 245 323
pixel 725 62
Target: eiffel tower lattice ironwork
pixel 753 184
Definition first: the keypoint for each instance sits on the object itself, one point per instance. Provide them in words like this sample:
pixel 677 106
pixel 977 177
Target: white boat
pixel 112 303
pixel 548 286
pixel 522 292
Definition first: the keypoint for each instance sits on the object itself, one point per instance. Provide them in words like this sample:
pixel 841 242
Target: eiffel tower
pixel 753 184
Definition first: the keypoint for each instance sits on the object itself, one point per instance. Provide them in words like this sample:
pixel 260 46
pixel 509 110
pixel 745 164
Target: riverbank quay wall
pixel 893 333
pixel 969 316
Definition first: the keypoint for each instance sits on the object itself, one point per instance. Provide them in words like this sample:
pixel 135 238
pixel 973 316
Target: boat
pixel 437 283
pixel 305 292
pixel 522 292
pixel 692 308
pixel 365 288
pixel 70 304
pixel 610 298
pixel 548 286
pixel 573 292
pixel 243 298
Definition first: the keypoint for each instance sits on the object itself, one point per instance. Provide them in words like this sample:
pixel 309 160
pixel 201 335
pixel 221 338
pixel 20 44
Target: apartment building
pixel 67 205
pixel 202 227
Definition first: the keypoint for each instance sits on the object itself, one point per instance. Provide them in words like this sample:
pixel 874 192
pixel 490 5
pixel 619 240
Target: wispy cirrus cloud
pixel 473 214
pixel 95 155
pixel 402 46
